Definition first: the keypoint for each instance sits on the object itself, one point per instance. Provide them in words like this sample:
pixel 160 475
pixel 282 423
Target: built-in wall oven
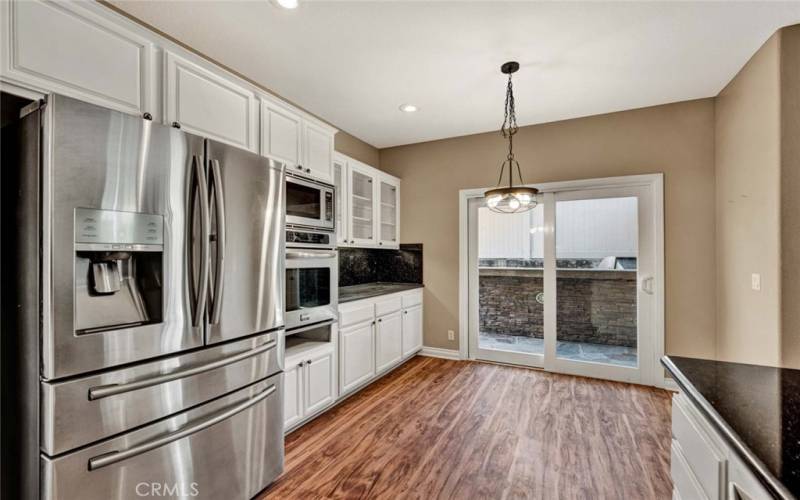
pixel 309 203
pixel 312 281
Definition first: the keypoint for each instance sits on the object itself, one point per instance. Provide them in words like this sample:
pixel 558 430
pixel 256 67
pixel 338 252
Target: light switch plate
pixel 755 281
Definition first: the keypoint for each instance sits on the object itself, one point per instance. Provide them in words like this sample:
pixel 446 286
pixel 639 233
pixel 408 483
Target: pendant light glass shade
pixel 510 199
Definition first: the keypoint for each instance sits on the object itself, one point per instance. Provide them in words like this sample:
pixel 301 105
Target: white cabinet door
pixel 281 134
pixel 357 361
pixel 317 152
pixel 389 212
pixel 340 182
pixel 388 342
pixel 362 200
pixel 412 330
pixel 63 47
pixel 320 379
pixel 208 105
pixel 292 393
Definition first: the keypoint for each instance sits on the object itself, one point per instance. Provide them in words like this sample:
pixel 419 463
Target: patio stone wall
pixel 596 306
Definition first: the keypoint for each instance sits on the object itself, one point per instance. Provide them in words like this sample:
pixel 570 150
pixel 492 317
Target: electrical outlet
pixel 451 335
pixel 755 281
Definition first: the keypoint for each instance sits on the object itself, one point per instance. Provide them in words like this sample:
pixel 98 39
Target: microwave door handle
pixel 118 456
pixel 202 287
pixel 219 265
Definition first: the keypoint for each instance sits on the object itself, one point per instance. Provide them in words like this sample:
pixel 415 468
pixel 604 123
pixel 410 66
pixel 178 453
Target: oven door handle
pixel 118 456
pixel 105 391
pixel 296 254
pixel 219 266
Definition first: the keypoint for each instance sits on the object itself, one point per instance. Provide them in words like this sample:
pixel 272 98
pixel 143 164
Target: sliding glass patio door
pixel 569 287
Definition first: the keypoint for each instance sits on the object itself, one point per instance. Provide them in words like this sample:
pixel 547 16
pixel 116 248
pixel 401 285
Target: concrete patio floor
pixel 578 351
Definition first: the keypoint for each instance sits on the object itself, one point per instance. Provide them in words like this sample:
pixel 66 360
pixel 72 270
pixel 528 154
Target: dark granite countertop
pixel 367 290
pixel 755 408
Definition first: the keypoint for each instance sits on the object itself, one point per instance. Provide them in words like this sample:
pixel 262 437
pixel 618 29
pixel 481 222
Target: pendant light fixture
pixel 510 199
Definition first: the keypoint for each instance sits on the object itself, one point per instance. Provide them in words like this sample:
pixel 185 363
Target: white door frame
pixel 653 375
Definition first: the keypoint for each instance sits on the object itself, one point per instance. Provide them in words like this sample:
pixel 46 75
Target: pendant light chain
pixel 510 199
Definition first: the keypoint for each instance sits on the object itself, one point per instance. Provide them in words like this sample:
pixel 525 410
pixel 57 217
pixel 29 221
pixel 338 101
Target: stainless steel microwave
pixel 309 203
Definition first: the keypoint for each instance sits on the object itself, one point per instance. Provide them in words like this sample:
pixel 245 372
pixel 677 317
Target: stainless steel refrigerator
pixel 152 365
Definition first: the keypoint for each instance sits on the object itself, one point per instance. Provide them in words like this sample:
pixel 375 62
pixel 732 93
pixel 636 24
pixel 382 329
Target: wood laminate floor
pixel 436 428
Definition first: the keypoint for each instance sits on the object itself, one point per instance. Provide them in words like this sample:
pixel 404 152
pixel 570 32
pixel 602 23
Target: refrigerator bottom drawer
pixel 229 448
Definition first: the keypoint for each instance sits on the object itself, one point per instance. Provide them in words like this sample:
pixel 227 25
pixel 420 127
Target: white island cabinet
pixel 703 465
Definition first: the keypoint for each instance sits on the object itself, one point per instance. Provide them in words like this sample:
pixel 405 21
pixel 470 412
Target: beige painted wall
pixel 747 149
pixel 676 139
pixel 356 148
pixel 790 195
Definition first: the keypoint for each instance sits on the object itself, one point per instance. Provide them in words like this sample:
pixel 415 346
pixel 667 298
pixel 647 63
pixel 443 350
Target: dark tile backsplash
pixel 370 265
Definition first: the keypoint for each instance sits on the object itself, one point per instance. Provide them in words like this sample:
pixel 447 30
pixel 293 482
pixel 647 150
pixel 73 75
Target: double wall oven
pixel 312 264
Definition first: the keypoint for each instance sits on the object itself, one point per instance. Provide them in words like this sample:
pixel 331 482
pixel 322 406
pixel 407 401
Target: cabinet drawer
pixel 355 314
pixel 388 305
pixel 683 479
pixel 701 455
pixel 412 299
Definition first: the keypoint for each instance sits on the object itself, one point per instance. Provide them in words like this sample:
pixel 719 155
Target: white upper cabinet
pixel 340 199
pixel 66 48
pixel 389 212
pixel 280 133
pixel 209 105
pixel 317 152
pixel 362 201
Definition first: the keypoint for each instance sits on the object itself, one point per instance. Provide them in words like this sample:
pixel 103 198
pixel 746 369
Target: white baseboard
pixel 438 352
pixel 670 385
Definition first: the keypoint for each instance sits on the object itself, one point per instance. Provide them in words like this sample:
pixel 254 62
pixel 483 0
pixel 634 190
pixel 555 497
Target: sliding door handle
pixel 219 265
pixel 118 456
pixel 202 288
pixel 648 285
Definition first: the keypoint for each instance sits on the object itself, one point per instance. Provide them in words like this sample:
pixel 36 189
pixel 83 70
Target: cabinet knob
pixel 352 241
pixel 147 116
pixel 176 125
pixel 308 170
pixel 380 243
pixel 380 320
pixel 300 365
pixel 299 167
pixel 405 312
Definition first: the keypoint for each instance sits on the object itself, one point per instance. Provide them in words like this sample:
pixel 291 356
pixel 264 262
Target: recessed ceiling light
pixel 408 108
pixel 287 4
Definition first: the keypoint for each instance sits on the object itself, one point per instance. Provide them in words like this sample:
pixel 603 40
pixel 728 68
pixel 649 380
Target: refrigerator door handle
pixel 105 391
pixel 118 456
pixel 202 287
pixel 219 266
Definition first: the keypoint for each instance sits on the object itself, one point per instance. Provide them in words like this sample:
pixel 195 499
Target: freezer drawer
pixel 84 410
pixel 230 448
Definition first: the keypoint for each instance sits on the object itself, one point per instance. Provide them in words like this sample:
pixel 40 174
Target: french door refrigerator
pixel 143 316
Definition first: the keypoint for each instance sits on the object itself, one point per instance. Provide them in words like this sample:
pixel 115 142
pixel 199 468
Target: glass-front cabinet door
pixel 389 210
pixel 340 199
pixel 361 205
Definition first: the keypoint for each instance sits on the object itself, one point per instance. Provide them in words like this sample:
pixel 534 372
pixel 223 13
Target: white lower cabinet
pixel 357 359
pixel 389 341
pixel 320 380
pixel 309 381
pixel 412 330
pixel 292 394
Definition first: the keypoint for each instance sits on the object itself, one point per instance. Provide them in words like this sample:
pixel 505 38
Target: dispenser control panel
pixel 114 230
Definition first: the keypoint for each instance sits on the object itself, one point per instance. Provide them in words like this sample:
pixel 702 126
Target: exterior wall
pixel 676 139
pixel 597 307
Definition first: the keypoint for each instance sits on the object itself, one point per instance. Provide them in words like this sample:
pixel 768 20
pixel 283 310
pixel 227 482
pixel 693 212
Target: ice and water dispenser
pixel 119 261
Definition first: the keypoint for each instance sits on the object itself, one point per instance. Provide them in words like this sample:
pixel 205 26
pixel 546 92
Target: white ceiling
pixel 354 63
